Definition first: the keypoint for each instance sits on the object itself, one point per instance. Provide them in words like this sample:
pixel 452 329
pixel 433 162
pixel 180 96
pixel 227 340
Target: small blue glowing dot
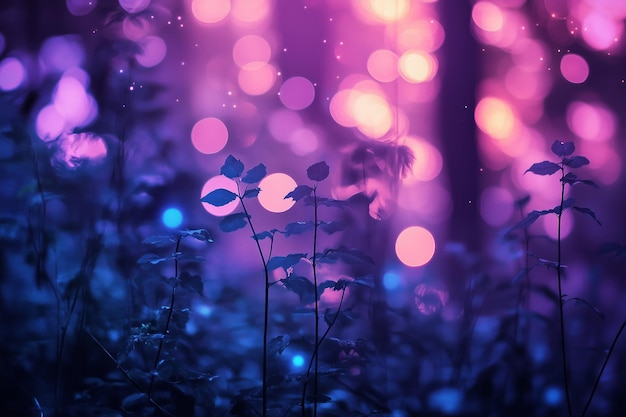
pixel 297 361
pixel 172 217
pixel 552 395
pixel 391 280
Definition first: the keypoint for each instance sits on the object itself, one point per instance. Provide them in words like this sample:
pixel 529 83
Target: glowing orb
pixel 274 188
pixel 209 135
pixel 172 217
pixel 415 246
pixel 214 183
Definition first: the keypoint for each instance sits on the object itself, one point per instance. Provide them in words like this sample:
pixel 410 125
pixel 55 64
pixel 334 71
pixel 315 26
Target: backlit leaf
pixel 233 222
pixel 219 197
pixel 544 168
pixel 255 174
pixel 232 168
pixel 318 171
pixel 277 345
pixel 331 227
pixel 301 286
pixel 561 149
pixel 198 234
pixel 588 212
pixel 297 228
pixel 251 193
pixel 285 262
pixel 160 241
pixel 347 255
pixel 191 282
pixel 575 161
pixel 300 192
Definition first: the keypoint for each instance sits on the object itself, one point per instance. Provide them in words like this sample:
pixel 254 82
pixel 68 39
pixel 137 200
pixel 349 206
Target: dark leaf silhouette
pixel 232 168
pixel 331 227
pixel 614 248
pixel 151 258
pixel 588 304
pixel 198 234
pixel 300 192
pixel 187 257
pixel 264 235
pixel 160 241
pixel 575 161
pixel 522 273
pixel 285 262
pixel 277 345
pixel 191 282
pixel 588 212
pixel 566 204
pixel 301 286
pixel 233 222
pixel 327 202
pixel 253 192
pixel 255 174
pixel 347 255
pixel 544 168
pixel 326 284
pixel 562 149
pixel 318 171
pixel 297 228
pixel 219 197
pixel 522 202
pixel 527 221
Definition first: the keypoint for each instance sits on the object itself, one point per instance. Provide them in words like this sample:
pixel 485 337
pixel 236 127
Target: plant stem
pixel 561 315
pixel 265 304
pixel 167 322
pixel 606 360
pixel 317 319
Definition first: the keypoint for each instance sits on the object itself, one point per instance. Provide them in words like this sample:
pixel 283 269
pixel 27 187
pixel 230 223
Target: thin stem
pixel 317 319
pixel 606 360
pixel 167 322
pixel 561 315
pixel 265 304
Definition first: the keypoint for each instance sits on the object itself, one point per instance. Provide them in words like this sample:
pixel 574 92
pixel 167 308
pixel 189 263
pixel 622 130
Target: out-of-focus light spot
pixel 172 217
pixel 372 114
pixel 282 123
pixel 61 53
pixel 553 395
pixel 429 300
pixel 80 7
pixel 49 124
pixel 591 122
pixel 496 206
pixel 153 50
pixel 446 400
pixel 574 68
pixel 340 106
pixel 297 361
pixel 601 30
pixel 249 11
pixel 391 280
pixel 428 160
pixel 274 188
pixel 210 11
pixel 297 93
pixel 135 27
pixel 134 6
pixel 250 51
pixel 530 55
pixel 428 200
pixel 550 224
pixel 415 246
pixel 487 16
pixel 73 103
pixel 12 74
pixel 3 43
pixel 424 34
pixel 606 163
pixel 495 117
pixel 256 79
pixel 76 149
pixel 525 85
pixel 303 141
pixel 390 10
pixel 382 65
pixel 209 135
pixel 214 183
pixel 417 66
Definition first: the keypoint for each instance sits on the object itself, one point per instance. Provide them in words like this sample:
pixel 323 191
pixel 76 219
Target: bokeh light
pixel 429 300
pixel 417 66
pixel 594 122
pixel 12 74
pixel 257 79
pixel 382 65
pixel 214 183
pixel 153 51
pixel 210 11
pixel 391 280
pixel 550 222
pixel 415 246
pixel 75 149
pixel 73 103
pixel 209 135
pixel 282 123
pixel 496 206
pixel 423 34
pixel 297 93
pixel 377 11
pixel 297 361
pixel 274 188
pixel 49 123
pixel 574 68
pixel 601 31
pixel 250 11
pixel 134 6
pixel 80 7
pixel 172 217
pixel 60 53
pixel 428 160
pixel 495 117
pixel 303 141
pixel 251 51
pixel 487 16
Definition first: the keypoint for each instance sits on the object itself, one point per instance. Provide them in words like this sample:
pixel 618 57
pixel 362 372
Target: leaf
pixel 277 345
pixel 523 272
pixel 588 212
pixel 575 161
pixel 187 257
pixel 284 262
pixel 347 255
pixel 544 168
pixel 561 149
pixel 615 248
pixel 326 284
pixel 160 241
pixel 570 178
pixel 191 283
pixel 232 168
pixel 297 228
pixel 134 400
pixel 255 174
pixel 318 171
pixel 301 286
pixel 253 192
pixel 527 221
pixel 566 204
pixel 588 304
pixel 522 202
pixel 364 281
pixel 198 234
pixel 233 222
pixel 264 235
pixel 331 227
pixel 300 192
pixel 151 258
pixel 219 197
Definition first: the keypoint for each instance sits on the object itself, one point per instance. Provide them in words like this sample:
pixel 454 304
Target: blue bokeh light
pixel 172 217
pixel 552 396
pixel 391 280
pixel 297 361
